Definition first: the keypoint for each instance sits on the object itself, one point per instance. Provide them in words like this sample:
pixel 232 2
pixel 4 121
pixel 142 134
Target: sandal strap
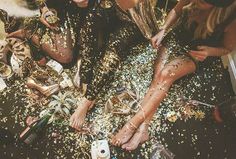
pixel 143 113
pixel 132 126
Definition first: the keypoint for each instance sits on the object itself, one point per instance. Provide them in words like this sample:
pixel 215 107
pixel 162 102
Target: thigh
pixel 126 36
pixel 59 43
pixel 161 60
pixel 178 68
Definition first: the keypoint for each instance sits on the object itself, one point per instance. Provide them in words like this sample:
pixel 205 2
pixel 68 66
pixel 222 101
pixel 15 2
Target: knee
pixel 164 75
pixel 66 59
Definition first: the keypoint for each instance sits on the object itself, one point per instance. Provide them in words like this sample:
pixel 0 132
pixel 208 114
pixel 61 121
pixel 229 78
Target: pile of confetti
pixel 135 74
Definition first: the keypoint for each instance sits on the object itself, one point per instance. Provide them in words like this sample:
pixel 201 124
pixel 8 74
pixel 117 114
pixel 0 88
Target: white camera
pixel 100 150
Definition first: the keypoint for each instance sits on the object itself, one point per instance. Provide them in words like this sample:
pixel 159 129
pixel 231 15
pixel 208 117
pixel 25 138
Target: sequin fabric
pixel 93 34
pixel 145 18
pixel 177 41
pixel 210 85
pixel 187 130
pixel 101 64
pixel 58 43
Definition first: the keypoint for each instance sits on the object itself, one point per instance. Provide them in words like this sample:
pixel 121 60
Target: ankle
pixel 85 103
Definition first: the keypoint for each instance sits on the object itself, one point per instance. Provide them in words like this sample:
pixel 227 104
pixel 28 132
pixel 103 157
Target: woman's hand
pixel 156 40
pixel 201 53
pixel 81 3
pixel 44 11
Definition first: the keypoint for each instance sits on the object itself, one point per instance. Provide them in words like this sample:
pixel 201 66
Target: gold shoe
pixel 45 90
pixel 77 79
pixel 30 67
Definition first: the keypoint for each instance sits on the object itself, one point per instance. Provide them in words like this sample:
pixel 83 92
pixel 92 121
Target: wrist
pixel 163 27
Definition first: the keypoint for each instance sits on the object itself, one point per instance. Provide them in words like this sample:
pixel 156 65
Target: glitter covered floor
pixel 189 135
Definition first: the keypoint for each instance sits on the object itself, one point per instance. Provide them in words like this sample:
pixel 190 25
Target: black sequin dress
pixel 100 63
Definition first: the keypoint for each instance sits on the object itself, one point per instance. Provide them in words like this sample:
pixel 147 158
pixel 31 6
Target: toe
pixel 77 126
pixel 124 146
pixel 118 142
pixel 73 125
pixel 129 148
pixel 113 140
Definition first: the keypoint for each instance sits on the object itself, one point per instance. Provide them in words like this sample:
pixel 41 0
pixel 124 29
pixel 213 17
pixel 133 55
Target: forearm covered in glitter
pixel 174 14
pixel 127 36
pixel 88 42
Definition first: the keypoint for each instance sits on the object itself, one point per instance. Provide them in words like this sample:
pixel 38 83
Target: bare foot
pixel 139 137
pixel 78 117
pixel 124 134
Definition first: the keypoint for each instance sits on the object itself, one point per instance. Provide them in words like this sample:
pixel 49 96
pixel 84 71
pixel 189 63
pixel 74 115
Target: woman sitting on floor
pixel 54 33
pixel 125 34
pixel 206 28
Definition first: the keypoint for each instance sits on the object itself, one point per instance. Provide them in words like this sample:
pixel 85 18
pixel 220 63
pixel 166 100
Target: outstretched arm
pixel 174 14
pixel 171 19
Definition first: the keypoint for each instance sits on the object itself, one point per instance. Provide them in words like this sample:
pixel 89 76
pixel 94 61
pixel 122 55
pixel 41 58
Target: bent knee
pixel 165 75
pixel 67 58
pixel 62 57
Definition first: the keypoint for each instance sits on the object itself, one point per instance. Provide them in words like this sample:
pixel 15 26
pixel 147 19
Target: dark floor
pixel 186 139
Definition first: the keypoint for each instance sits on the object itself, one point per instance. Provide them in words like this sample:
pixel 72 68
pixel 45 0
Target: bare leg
pixel 59 47
pixel 78 117
pixel 170 73
pixel 141 135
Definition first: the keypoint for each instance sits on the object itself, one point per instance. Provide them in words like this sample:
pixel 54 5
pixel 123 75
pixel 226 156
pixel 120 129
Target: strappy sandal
pixel 30 67
pixel 142 126
pixel 119 99
pixel 45 90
